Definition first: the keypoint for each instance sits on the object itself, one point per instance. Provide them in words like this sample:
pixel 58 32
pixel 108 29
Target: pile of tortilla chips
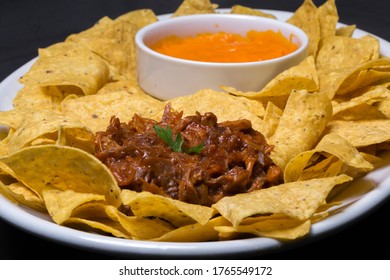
pixel 328 119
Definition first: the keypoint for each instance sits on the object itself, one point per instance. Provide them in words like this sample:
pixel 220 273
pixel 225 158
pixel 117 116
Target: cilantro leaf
pixel 175 143
pixel 166 135
pixel 195 150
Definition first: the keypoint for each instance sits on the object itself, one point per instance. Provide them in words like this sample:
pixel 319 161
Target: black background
pixel 26 26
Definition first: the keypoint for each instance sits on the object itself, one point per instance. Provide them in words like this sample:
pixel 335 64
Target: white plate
pixel 374 189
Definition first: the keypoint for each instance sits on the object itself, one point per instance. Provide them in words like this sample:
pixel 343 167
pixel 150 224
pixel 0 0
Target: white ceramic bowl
pixel 166 77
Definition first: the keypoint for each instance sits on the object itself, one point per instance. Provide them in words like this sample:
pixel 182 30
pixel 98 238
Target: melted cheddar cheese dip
pixel 227 47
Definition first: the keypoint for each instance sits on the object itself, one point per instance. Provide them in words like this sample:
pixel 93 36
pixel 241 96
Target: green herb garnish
pixel 195 150
pixel 166 135
pixel 175 143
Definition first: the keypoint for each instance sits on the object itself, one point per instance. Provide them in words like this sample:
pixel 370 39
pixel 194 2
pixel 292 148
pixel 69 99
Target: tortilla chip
pixel 302 123
pixel 192 7
pixel 271 120
pixel 35 96
pixel 178 213
pixel 138 227
pixel 20 194
pixel 279 227
pixel 345 52
pixel 330 144
pixel 369 96
pixel 223 105
pixel 123 85
pixel 346 30
pixel 362 133
pixel 311 114
pixel 114 42
pixel 346 80
pixel 298 200
pixel 195 232
pixel 243 10
pixel 95 111
pixel 61 203
pixel 64 168
pixel 306 18
pixel 328 18
pixel 384 107
pixel 75 66
pixel 102 226
pixel 46 126
pixel 140 18
pixel 302 76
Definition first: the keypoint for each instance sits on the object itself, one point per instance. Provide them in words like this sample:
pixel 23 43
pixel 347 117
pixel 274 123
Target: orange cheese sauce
pixel 227 47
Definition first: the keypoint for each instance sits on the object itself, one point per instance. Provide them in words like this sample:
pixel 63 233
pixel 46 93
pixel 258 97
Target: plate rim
pixel 31 221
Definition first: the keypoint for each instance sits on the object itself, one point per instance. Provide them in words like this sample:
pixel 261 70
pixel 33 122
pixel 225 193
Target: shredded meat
pixel 234 158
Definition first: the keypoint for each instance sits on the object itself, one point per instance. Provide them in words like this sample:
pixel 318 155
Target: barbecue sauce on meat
pixel 234 158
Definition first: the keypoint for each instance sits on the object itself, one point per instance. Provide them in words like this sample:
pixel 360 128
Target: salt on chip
pixel 178 213
pixel 302 123
pixel 297 200
pixel 63 167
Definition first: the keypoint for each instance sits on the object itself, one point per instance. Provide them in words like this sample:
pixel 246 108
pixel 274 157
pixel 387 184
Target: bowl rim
pixel 141 33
